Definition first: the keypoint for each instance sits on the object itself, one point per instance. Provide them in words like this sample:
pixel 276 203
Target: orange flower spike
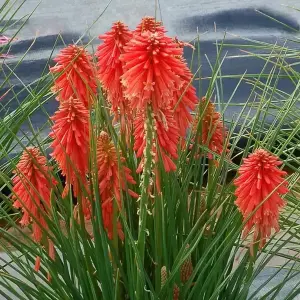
pixel 110 67
pixel 51 253
pixel 37 264
pixel 112 179
pixel 78 75
pixel 71 142
pixel 31 190
pixel 213 131
pixel 149 24
pixel 151 70
pixel 107 215
pixel 260 179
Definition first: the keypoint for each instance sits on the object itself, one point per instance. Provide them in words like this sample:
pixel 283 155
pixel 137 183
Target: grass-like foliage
pixel 143 189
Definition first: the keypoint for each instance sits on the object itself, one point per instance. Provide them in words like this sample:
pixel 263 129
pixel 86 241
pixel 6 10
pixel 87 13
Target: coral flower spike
pixel 76 75
pixel 110 67
pixel 31 192
pixel 185 101
pixel 167 138
pixel 152 75
pixel 71 142
pixel 149 24
pixel 32 186
pixel 260 182
pixel 113 178
pixel 151 70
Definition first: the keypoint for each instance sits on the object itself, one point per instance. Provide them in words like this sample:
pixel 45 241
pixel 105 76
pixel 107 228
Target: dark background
pixel 72 18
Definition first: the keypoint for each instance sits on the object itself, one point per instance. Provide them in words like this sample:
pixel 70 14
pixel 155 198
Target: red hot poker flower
pixel 77 78
pixel 113 178
pixel 165 131
pixel 213 131
pixel 151 70
pixel 149 24
pixel 184 101
pixel 31 190
pixel 71 142
pixel 260 179
pixel 110 67
pixel 168 136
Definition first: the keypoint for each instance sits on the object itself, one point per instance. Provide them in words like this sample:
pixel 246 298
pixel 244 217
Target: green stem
pixel 252 260
pixel 144 201
pixel 211 168
pixel 115 227
pixel 158 241
pixel 84 233
pixel 249 272
pixel 117 293
pixel 116 247
pixel 210 180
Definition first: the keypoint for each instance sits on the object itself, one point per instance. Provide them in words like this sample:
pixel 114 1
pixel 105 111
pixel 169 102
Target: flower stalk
pixel 144 198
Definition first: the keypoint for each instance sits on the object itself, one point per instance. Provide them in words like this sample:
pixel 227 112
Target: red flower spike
pixel 260 179
pixel 31 190
pixel 71 142
pixel 113 178
pixel 110 67
pixel 167 134
pixel 155 74
pixel 149 24
pixel 110 70
pixel 185 101
pixel 151 70
pixel 78 75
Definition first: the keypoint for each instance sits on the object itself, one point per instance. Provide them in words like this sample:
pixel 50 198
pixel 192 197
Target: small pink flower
pixel 2 96
pixel 4 56
pixel 5 40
